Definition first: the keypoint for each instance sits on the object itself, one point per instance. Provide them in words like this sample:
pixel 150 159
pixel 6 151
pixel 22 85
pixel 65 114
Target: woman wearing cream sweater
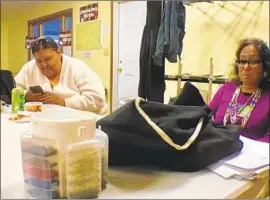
pixel 66 81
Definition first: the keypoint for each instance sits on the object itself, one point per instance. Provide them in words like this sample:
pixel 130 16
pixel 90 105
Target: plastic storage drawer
pixel 47 184
pixel 41 193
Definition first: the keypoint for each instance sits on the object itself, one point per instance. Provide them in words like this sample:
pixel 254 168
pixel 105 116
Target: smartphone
pixel 36 89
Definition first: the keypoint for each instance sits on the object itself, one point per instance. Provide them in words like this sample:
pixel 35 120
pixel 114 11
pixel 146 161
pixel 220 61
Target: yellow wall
pixel 211 31
pixel 4 44
pixel 215 33
pixel 17 23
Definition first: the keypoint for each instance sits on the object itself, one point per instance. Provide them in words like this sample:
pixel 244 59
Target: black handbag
pixel 7 84
pixel 177 137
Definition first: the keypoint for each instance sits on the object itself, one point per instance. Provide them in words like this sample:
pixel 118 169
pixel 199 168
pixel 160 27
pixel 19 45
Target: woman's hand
pixel 30 96
pixel 50 98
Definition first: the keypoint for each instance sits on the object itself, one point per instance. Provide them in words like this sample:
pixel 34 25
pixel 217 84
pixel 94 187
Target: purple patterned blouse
pixel 258 125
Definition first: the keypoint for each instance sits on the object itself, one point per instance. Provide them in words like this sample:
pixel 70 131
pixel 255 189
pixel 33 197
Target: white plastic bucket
pixel 64 126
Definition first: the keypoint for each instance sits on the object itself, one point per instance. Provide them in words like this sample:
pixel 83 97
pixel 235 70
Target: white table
pixel 123 183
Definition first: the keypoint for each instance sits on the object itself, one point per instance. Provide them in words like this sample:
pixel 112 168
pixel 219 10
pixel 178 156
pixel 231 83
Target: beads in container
pixel 83 169
pixel 40 167
pixel 104 140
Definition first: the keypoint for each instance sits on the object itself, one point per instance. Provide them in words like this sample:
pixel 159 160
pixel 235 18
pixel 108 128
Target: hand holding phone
pixel 36 89
pixel 34 94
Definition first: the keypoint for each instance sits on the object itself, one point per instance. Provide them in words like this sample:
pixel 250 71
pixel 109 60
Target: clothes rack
pixel 209 78
pixel 198 79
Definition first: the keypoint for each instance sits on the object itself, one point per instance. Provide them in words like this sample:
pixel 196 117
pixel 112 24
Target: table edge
pixel 253 187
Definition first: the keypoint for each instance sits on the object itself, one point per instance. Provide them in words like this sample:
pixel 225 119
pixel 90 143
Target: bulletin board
pixel 89 35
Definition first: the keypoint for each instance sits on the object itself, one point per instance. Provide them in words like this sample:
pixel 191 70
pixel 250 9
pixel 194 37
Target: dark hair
pixel 264 53
pixel 43 42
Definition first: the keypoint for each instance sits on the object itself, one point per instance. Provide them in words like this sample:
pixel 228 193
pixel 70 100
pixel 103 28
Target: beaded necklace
pixel 249 107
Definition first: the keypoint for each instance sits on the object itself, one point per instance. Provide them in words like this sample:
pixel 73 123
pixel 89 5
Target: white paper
pixel 222 170
pixel 249 161
pixel 252 160
pixel 254 155
pixel 87 54
pixel 67 50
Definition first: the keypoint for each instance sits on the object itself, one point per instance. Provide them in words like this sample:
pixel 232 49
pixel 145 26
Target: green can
pixel 17 100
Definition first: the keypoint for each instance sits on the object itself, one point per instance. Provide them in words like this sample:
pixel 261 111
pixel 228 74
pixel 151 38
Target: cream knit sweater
pixel 79 85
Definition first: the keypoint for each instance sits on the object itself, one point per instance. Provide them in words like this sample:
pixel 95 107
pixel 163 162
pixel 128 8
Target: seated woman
pixel 66 81
pixel 245 100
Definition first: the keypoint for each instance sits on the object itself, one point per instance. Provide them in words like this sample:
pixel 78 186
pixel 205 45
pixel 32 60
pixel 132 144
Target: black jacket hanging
pixel 152 83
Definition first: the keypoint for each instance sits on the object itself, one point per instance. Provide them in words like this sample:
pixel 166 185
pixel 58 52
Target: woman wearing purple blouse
pixel 245 100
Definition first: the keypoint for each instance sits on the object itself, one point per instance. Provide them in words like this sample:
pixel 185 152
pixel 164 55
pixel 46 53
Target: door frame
pixel 115 76
pixel 115 55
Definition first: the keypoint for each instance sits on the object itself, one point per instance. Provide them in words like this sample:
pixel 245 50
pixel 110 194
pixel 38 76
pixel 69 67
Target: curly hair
pixel 264 53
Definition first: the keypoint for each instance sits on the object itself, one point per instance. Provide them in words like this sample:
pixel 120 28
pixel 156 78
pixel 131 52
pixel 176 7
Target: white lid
pixel 63 116
pixel 33 104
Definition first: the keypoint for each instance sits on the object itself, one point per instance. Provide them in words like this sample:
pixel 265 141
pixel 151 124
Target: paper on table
pixel 249 162
pixel 255 146
pixel 229 172
pixel 222 170
pixel 253 159
pixel 254 155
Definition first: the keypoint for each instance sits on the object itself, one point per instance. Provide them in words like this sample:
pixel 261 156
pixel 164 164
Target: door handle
pixel 119 70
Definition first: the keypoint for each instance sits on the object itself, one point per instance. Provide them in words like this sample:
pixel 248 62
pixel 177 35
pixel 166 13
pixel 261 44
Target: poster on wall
pixel 84 13
pixel 67 50
pixel 28 41
pixel 65 38
pixel 89 12
pixel 93 11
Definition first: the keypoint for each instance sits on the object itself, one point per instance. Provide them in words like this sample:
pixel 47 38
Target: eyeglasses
pixel 251 63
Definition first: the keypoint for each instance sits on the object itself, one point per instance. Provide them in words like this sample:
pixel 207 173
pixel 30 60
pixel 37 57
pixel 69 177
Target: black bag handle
pixel 165 136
